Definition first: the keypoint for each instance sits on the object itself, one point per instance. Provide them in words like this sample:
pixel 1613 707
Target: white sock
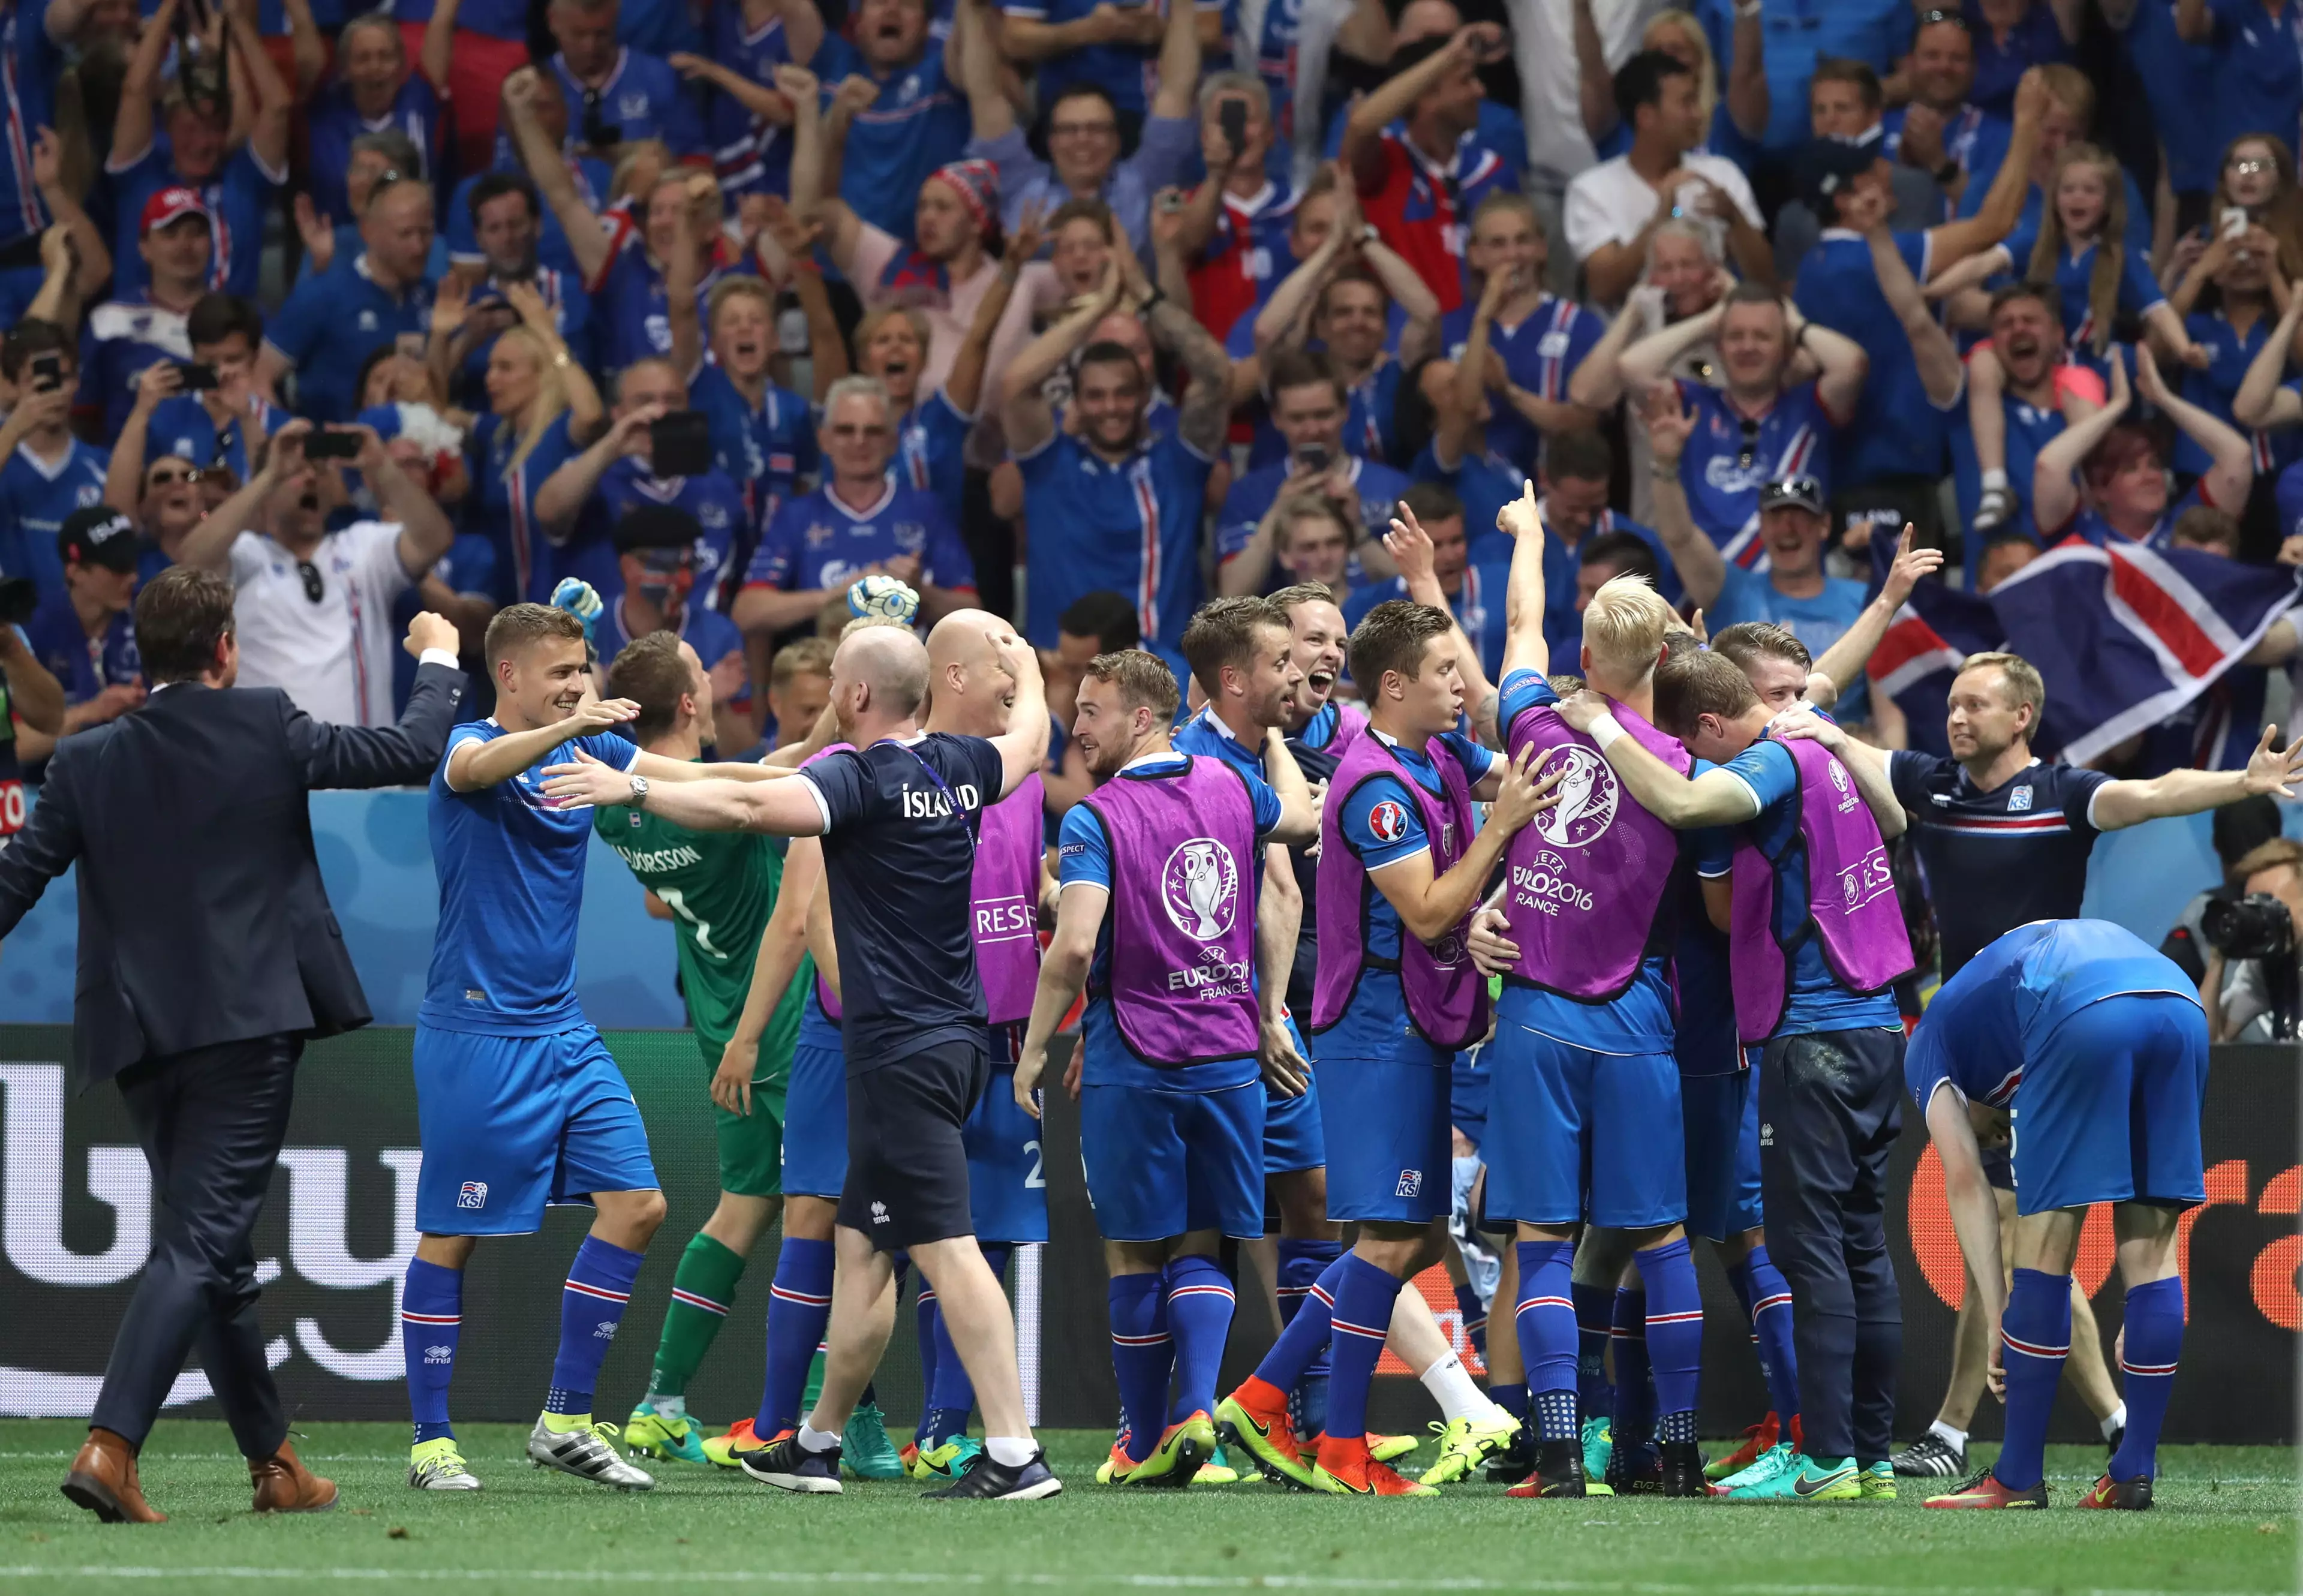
pixel 1452 1388
pixel 1992 479
pixel 1955 1437
pixel 2116 1422
pixel 812 1439
pixel 668 1407
pixel 1008 1452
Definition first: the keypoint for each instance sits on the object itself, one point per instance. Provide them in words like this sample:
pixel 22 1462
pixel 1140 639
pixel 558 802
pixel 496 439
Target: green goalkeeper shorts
pixel 752 1145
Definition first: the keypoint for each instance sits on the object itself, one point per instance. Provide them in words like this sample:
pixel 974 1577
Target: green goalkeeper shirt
pixel 721 887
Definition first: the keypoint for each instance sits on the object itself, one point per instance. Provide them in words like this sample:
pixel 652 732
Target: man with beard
pixel 2027 334
pixel 332 323
pixel 1938 132
pixel 1112 504
pixel 505 216
pixel 897 812
pixel 589 178
pixel 308 601
pixel 1161 880
pixel 1769 422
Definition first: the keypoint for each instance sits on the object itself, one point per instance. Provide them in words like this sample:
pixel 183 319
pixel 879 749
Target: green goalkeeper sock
pixel 701 1292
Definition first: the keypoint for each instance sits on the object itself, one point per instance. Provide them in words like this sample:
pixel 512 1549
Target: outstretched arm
pixel 1868 766
pixel 1932 350
pixel 2269 769
pixel 1024 406
pixel 476 764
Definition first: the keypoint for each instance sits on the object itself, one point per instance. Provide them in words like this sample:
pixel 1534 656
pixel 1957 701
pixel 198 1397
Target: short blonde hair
pixel 2020 675
pixel 1625 622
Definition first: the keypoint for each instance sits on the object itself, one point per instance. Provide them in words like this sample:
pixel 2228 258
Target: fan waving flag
pixel 2125 637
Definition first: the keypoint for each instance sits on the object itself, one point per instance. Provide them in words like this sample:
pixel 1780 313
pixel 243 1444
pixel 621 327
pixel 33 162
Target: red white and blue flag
pixel 2126 637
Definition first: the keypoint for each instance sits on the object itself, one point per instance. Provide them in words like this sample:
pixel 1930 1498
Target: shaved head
pixel 879 678
pixel 968 691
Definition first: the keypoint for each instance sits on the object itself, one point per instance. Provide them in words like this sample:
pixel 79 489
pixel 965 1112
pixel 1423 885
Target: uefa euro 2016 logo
pixel 1200 888
pixel 1588 795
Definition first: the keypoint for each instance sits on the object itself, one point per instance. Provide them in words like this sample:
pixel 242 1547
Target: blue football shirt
pixel 511 885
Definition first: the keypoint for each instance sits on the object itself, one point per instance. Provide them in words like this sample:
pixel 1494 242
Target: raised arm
pixel 1648 361
pixel 963 388
pixel 89 261
pixel 679 281
pixel 2269 769
pixel 1391 100
pixel 132 123
pixel 2054 495
pixel 123 478
pixel 1595 84
pixel 1841 363
pixel 565 493
pixel 1204 419
pixel 207 547
pixel 1598 383
pixel 425 529
pixel 1024 746
pixel 1941 373
pixel 1280 319
pixel 1524 646
pixel 1748 102
pixel 2263 399
pixel 1179 61
pixel 1031 39
pixel 588 240
pixel 268 140
pixel 1024 406
pixel 399 756
pixel 1410 548
pixel 2003 202
pixel 1841 665
pixel 2230 472
pixel 1669 424
pixel 436 59
pixel 843 229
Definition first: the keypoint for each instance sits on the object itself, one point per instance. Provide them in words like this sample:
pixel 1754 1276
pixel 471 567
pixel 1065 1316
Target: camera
pixel 19 598
pixel 2256 926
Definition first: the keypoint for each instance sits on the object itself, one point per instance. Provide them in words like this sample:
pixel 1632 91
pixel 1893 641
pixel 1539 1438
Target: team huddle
pixel 1630 930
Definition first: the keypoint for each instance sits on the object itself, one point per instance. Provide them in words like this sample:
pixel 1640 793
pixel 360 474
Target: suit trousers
pixel 211 1122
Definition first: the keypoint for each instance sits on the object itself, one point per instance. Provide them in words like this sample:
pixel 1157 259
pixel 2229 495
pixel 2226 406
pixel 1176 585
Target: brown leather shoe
pixel 284 1485
pixel 103 1480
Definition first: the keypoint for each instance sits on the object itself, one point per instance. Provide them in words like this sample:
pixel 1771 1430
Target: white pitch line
pixel 910 1577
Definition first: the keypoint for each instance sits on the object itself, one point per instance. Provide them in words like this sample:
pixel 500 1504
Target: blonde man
pixel 1583 1070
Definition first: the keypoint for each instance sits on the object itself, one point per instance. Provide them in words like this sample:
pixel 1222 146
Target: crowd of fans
pixel 1084 312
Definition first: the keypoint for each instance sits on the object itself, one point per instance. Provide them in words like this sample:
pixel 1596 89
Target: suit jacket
pixel 202 916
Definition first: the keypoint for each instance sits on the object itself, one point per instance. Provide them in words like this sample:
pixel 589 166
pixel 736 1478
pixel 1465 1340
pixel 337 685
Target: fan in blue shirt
pixel 34 66
pixel 616 94
pixel 860 521
pixel 373 92
pixel 1538 338
pixel 751 152
pixel 333 323
pixel 590 179
pixel 83 633
pixel 2178 77
pixel 763 437
pixel 918 123
pixel 506 469
pixel 52 472
pixel 223 425
pixel 1763 426
pixel 1115 504
pixel 2258 69
pixel 1311 407
pixel 1476 594
pixel 1118 58
pixel 629 286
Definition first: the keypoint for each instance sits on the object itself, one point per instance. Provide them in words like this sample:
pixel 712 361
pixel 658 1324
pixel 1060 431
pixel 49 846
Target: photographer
pixel 2249 989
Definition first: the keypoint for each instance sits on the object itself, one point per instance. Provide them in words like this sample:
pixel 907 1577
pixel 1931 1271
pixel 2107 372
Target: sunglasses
pixel 2250 165
pixel 1793 487
pixel 1751 448
pixel 170 475
pixel 315 589
pixel 1929 19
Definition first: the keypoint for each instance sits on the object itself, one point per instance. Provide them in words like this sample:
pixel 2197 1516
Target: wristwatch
pixel 639 793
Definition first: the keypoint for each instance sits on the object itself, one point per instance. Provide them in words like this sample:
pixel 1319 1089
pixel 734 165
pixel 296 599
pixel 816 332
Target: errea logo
pixel 879 1214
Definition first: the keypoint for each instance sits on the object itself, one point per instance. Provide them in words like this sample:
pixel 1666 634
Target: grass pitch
pixel 2226 1521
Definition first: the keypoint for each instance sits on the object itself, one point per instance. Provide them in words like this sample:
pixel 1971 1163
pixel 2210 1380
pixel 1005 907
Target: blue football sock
pixel 591 1307
pixel 1595 1312
pixel 1771 1328
pixel 430 1322
pixel 1140 1355
pixel 1511 1398
pixel 2154 1342
pixel 1200 1302
pixel 1302 1263
pixel 799 1308
pixel 2037 1330
pixel 1365 1297
pixel 1546 1322
pixel 1473 1313
pixel 1634 1421
pixel 1305 1338
pixel 927 1325
pixel 1675 1324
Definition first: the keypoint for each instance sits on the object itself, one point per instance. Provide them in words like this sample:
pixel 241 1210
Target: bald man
pixel 969 694
pixel 898 813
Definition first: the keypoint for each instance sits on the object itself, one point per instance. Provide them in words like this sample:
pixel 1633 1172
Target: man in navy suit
pixel 208 956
